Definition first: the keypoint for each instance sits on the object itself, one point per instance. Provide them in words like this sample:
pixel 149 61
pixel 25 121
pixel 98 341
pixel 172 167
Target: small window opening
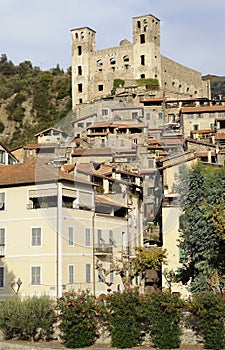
pixel 80 87
pixel 142 76
pixel 99 63
pixel 142 38
pixel 79 49
pixel 139 24
pixel 125 58
pixel 113 60
pixel 143 60
pixel 79 70
pixel 100 87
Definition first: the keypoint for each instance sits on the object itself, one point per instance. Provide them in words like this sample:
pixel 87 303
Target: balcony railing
pixel 103 249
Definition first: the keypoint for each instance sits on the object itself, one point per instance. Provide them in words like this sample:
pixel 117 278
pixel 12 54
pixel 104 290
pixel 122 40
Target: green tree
pixel 202 199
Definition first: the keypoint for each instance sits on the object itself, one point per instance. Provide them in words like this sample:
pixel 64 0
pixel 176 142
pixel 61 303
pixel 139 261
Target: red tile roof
pixel 33 171
pixel 202 109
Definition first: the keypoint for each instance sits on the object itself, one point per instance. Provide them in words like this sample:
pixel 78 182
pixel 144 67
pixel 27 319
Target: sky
pixel 192 32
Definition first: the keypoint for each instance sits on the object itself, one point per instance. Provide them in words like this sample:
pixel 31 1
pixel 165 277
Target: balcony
pixel 2 250
pixel 103 249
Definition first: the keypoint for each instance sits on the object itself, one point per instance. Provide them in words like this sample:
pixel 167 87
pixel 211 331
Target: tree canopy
pixel 202 198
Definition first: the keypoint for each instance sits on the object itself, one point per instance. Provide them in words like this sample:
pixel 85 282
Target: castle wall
pixel 93 71
pixel 182 80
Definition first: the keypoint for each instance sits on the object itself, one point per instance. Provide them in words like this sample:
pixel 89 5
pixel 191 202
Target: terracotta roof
pixel 204 154
pixel 33 171
pixel 203 131
pixel 202 109
pixel 220 136
pixel 200 142
pixel 86 152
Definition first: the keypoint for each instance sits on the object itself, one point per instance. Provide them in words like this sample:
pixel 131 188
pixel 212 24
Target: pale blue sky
pixel 192 32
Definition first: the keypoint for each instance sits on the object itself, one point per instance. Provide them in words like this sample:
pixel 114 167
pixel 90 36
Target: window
pixel 99 233
pixel 2 277
pixel 160 116
pixel 88 124
pixel 105 112
pixel 2 241
pixel 35 275
pixel 134 115
pixel 80 100
pixel 182 256
pixel 142 76
pixel 139 24
pixel 212 126
pixel 87 237
pixel 2 156
pixel 79 68
pixel 2 200
pixel 80 87
pixel 111 276
pixel 195 127
pixel 88 273
pixel 71 236
pixel 125 58
pixel 111 239
pixel 143 60
pixel 100 87
pixel 148 116
pixel 99 63
pixel 80 125
pixel 79 50
pixel 71 274
pixel 36 237
pixel 113 60
pixel 149 191
pixel 142 38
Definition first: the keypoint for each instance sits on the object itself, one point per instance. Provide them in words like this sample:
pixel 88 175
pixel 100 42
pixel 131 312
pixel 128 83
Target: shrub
pixel 26 318
pixel 78 314
pixel 116 84
pixel 10 311
pixel 209 312
pixel 123 318
pixel 164 313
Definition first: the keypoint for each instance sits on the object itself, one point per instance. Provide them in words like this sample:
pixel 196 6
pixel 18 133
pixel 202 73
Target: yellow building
pixel 53 237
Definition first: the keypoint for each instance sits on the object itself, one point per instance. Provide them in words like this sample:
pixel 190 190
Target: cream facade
pixel 54 238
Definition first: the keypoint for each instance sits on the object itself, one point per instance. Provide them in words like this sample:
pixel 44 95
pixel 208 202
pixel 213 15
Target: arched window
pixel 112 60
pixel 139 24
pixel 99 62
pixel 125 58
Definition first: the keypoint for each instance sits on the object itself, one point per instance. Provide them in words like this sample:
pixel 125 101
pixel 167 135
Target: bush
pixel 78 315
pixel 26 318
pixel 164 313
pixel 209 312
pixel 123 318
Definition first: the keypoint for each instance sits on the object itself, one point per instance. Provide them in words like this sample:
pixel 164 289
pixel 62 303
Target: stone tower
pixel 146 47
pixel 83 46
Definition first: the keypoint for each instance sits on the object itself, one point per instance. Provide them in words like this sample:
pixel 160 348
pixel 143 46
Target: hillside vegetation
pixel 217 86
pixel 31 100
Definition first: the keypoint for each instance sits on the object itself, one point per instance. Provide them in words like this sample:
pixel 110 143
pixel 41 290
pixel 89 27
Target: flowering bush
pixel 164 312
pixel 78 314
pixel 209 312
pixel 123 318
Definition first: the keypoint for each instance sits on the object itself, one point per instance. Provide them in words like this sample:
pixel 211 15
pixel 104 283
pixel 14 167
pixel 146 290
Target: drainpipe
pixel 59 240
